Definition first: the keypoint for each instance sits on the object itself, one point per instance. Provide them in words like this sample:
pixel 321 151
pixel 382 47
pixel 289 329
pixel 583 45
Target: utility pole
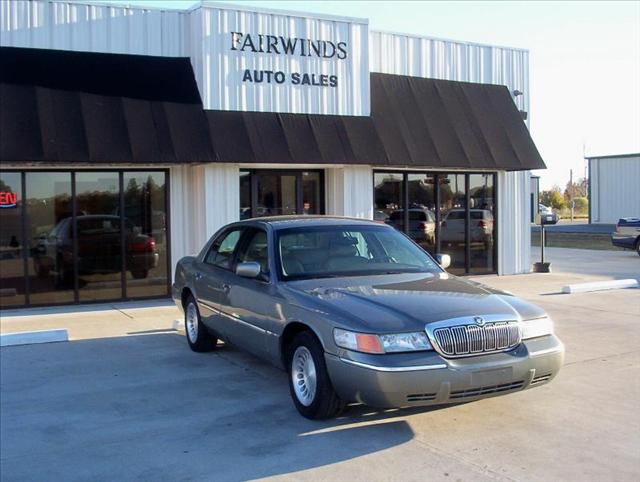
pixel 571 193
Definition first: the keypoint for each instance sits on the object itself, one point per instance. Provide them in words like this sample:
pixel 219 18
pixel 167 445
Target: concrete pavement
pixel 127 405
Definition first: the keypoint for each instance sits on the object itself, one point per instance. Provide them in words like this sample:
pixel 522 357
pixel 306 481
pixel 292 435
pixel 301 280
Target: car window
pixel 455 215
pixel 417 216
pixel 256 250
pixel 326 251
pixel 221 252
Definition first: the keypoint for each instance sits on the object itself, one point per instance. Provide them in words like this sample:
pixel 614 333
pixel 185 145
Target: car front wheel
pixel 200 340
pixel 309 383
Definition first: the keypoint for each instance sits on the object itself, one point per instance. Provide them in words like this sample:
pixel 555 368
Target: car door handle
pixel 225 287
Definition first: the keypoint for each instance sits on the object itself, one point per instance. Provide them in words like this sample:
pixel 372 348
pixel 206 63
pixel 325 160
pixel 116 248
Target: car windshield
pixel 337 251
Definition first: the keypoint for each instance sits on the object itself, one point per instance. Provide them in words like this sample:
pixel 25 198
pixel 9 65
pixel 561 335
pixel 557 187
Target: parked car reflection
pixel 422 225
pixel 99 243
pixel 480 227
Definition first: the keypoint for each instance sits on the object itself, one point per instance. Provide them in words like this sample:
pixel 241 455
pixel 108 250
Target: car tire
pixel 309 383
pixel 638 246
pixel 139 273
pixel 198 337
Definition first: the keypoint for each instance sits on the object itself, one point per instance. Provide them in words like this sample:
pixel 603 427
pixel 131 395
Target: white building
pixel 614 188
pixel 199 117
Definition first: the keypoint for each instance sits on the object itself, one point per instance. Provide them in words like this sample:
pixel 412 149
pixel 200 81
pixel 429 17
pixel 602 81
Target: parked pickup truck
pixel 627 234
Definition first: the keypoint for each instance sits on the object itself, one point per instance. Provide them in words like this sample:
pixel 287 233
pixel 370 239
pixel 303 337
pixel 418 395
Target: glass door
pixel 280 192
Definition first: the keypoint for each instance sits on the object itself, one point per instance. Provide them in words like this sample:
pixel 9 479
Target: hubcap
pixel 303 376
pixel 192 322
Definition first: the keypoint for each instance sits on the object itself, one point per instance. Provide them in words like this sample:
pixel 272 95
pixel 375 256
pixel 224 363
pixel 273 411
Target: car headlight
pixel 537 327
pixel 394 343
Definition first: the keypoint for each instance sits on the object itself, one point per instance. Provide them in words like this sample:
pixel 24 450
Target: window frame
pixel 243 243
pixel 72 171
pixel 468 271
pixel 221 237
pixel 253 187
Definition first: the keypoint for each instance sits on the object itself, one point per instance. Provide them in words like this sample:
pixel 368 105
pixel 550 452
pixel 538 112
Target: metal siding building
pixel 210 192
pixel 614 188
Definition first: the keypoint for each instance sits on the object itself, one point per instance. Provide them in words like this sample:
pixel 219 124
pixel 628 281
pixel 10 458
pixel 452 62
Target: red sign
pixel 8 199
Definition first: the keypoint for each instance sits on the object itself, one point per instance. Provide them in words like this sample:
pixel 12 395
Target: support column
pixel 514 225
pixel 349 191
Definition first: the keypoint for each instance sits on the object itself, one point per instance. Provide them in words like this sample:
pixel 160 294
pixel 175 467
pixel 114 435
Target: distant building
pixel 614 187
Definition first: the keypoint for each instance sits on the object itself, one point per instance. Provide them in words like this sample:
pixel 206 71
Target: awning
pixel 78 107
pixel 69 107
pixel 429 122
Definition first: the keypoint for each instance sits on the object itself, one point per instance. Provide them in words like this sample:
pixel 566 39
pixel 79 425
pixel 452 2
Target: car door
pixel 250 303
pixel 211 279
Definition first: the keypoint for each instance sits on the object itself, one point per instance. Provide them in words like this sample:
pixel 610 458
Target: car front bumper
pixel 428 379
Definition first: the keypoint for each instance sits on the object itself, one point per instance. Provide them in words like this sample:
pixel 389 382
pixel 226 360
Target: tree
pixel 576 189
pixel 553 198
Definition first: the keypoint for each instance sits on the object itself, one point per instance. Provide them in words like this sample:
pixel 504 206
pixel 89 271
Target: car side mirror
pixel 248 269
pixel 444 260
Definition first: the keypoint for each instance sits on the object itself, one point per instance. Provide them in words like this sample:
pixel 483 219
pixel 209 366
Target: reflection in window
pixel 278 193
pixel 50 238
pixel 145 233
pixel 388 199
pixel 12 286
pixel 438 217
pixel 99 243
pixel 422 208
pixel 452 207
pixel 311 193
pixel 245 195
pixel 482 225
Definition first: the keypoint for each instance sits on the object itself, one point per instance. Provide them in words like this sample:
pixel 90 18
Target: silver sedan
pixel 355 311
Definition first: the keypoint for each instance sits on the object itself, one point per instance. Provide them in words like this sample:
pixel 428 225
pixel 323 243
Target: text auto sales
pixel 279 45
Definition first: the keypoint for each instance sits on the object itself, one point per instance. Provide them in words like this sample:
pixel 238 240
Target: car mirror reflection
pixel 444 260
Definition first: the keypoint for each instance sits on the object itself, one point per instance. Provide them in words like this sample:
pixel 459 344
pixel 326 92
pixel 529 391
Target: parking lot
pixel 126 399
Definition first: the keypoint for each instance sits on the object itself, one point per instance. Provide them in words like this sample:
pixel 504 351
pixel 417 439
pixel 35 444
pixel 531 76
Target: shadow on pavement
pixel 146 407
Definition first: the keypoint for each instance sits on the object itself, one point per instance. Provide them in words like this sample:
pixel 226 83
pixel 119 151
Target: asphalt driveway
pixel 136 404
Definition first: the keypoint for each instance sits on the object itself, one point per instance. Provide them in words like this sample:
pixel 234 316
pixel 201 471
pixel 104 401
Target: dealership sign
pixel 279 45
pixel 272 62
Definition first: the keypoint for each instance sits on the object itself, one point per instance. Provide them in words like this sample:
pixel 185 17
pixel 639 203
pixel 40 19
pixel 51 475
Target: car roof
pixel 284 222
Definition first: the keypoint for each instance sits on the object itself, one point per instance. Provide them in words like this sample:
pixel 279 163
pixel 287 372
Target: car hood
pixel 406 302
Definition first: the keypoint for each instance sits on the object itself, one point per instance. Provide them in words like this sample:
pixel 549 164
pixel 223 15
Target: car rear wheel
pixel 200 340
pixel 638 246
pixel 309 383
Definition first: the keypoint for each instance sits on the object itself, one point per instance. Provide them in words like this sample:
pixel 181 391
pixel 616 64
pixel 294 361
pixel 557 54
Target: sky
pixel 584 63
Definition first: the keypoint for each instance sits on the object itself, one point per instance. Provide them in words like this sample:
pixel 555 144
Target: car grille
pixel 465 340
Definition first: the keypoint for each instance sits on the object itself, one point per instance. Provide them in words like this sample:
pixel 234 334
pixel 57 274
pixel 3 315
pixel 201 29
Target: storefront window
pixel 482 223
pixel 50 238
pixel 99 243
pixel 12 246
pixel 311 193
pixel 245 195
pixel 438 216
pixel 388 196
pixel 453 216
pixel 277 193
pixel 422 210
pixel 106 243
pixel 145 220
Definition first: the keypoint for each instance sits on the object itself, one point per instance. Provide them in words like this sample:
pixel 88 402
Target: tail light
pixel 146 246
pixel 422 226
pixel 484 224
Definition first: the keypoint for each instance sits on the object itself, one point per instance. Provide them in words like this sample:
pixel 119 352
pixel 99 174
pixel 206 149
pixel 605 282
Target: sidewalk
pixel 96 321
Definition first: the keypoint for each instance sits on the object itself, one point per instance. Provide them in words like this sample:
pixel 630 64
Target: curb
pixel 34 337
pixel 600 286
